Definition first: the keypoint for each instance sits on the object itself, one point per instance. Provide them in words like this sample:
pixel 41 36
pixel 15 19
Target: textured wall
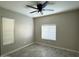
pixel 67 24
pixel 23 33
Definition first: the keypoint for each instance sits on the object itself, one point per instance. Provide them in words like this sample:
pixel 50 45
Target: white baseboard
pixel 16 50
pixel 57 47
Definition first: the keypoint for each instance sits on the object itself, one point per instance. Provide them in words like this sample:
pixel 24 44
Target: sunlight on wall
pixel 25 31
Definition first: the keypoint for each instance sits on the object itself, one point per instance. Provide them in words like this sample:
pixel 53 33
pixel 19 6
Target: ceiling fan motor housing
pixel 39 7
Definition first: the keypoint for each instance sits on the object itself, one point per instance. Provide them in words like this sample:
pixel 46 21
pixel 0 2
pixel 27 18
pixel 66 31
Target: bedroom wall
pixel 0 36
pixel 67 32
pixel 23 32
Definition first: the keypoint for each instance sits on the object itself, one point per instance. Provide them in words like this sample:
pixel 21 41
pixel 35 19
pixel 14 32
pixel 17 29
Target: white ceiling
pixel 57 6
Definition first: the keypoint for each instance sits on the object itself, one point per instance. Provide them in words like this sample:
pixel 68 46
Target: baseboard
pixel 16 50
pixel 57 47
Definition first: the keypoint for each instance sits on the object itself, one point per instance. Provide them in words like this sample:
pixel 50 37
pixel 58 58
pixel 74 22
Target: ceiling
pixel 57 6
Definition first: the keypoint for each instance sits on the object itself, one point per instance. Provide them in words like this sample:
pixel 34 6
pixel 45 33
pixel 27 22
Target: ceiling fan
pixel 39 7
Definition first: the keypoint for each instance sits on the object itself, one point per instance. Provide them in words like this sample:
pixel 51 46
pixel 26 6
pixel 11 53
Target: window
pixel 48 32
pixel 8 30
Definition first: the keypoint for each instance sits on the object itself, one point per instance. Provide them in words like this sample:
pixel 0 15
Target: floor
pixel 42 51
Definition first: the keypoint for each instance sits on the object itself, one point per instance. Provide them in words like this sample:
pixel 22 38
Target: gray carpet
pixel 42 51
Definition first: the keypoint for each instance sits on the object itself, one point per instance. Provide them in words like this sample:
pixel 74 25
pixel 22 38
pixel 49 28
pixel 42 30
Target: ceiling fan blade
pixel 31 6
pixel 44 4
pixel 48 10
pixel 33 11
